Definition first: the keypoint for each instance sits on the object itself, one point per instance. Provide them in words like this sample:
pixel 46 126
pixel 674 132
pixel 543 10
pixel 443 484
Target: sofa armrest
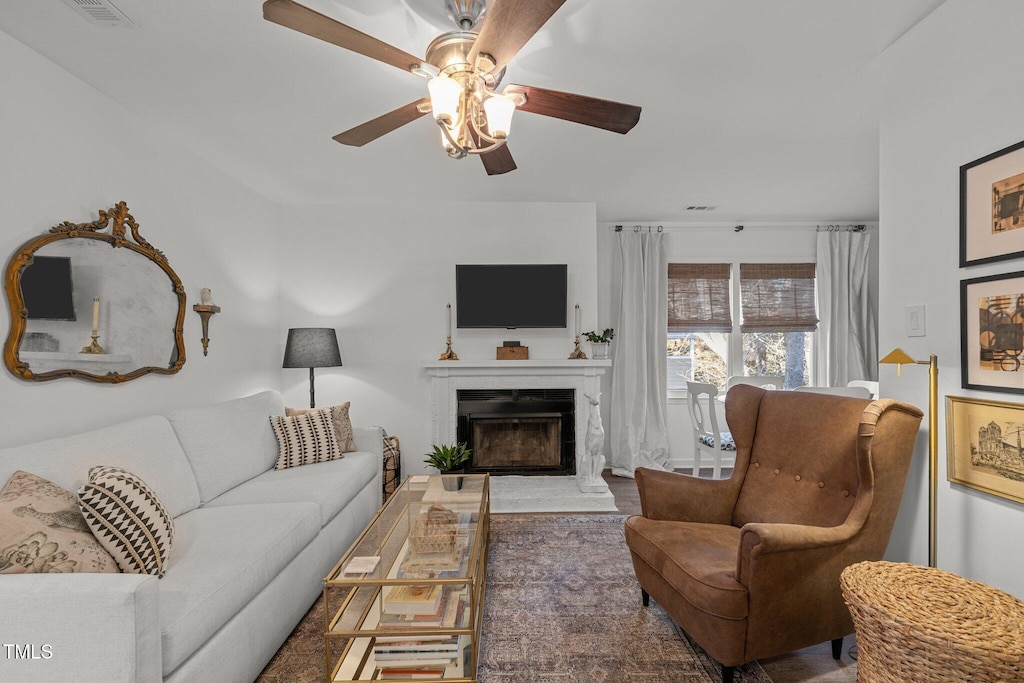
pixel 369 440
pixel 677 497
pixel 80 627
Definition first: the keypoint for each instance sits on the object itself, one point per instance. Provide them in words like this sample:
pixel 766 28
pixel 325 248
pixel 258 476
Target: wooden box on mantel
pixel 513 352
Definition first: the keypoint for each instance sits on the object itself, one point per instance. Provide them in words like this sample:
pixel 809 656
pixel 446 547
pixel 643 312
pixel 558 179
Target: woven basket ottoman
pixel 923 624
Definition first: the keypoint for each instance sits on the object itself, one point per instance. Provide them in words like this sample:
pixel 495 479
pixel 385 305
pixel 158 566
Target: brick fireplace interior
pixel 519 431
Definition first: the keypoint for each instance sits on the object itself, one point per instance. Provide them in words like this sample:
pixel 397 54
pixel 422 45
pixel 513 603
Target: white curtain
pixel 639 392
pixel 847 331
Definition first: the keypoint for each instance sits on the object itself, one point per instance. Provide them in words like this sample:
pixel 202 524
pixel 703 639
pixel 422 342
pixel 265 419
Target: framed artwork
pixel 983 446
pixel 992 207
pixel 992 333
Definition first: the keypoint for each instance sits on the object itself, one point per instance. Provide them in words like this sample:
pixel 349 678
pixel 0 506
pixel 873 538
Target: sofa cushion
pixel 331 485
pixel 223 557
pixel 128 519
pixel 305 439
pixel 42 530
pixel 706 579
pixel 228 443
pixel 146 446
pixel 341 420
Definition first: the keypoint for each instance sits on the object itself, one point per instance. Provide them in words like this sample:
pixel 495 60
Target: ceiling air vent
pixel 700 208
pixel 100 12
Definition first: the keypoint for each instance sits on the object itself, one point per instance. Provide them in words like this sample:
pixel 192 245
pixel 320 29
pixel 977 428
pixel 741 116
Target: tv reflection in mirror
pixel 47 288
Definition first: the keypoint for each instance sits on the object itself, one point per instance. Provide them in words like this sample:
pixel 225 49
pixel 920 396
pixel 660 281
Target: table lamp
pixel 900 358
pixel 312 347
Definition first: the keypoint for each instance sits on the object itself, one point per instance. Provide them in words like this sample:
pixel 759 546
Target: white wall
pixel 69 151
pixel 381 275
pixel 756 243
pixel 949 97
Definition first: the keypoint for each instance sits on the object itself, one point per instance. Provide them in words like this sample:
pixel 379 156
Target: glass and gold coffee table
pixel 405 602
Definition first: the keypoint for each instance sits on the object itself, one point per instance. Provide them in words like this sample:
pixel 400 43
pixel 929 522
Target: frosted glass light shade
pixel 499 109
pixel 445 94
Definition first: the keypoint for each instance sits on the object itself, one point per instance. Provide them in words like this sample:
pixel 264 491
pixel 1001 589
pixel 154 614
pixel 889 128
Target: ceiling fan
pixel 464 68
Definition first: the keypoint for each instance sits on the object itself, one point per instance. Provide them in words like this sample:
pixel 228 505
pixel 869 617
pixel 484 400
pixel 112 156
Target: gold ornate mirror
pixel 93 305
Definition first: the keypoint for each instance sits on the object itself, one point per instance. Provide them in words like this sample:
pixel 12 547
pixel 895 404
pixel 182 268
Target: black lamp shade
pixel 312 347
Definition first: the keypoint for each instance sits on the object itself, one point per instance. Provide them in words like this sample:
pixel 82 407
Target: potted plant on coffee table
pixel 599 342
pixel 449 459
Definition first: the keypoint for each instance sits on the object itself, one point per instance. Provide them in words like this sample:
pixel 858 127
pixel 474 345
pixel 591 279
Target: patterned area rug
pixel 562 606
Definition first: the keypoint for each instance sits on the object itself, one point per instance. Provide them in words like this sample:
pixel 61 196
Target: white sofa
pixel 251 547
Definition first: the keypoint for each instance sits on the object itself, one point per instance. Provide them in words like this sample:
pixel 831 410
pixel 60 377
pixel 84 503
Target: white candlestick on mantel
pixel 577 321
pixel 449 307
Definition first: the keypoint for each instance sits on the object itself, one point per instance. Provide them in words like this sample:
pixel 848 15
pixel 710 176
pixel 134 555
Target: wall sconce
pixel 205 309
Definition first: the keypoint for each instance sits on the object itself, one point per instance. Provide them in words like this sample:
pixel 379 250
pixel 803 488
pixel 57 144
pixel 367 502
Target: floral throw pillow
pixel 43 531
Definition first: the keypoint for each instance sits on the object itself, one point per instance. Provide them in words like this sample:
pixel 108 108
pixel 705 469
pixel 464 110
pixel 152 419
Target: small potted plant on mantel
pixel 599 342
pixel 449 459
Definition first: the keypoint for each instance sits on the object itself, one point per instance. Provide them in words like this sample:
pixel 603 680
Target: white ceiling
pixel 766 110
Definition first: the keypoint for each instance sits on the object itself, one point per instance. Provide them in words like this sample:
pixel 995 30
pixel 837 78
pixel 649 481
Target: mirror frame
pixel 118 218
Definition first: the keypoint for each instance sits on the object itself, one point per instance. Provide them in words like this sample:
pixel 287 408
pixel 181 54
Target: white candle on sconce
pixel 95 315
pixel 577 320
pixel 449 309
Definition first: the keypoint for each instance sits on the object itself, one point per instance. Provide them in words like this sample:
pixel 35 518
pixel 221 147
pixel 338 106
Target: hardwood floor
pixel 803 666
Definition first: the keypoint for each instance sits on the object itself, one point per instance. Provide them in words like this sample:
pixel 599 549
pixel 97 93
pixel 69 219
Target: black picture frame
pixel 992 207
pixel 992 333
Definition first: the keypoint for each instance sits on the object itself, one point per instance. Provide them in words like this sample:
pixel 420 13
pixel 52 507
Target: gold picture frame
pixel 984 446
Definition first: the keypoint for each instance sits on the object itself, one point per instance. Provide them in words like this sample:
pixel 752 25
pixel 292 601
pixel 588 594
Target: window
pixel 775 305
pixel 699 323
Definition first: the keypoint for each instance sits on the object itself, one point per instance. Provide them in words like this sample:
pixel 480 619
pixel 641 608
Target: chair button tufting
pixel 846 493
pixel 821 484
pixel 776 471
pixel 757 464
pixel 796 478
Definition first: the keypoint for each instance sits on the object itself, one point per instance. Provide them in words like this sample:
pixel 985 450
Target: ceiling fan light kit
pixel 464 68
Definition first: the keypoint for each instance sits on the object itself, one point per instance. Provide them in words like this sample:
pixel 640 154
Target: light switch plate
pixel 915 321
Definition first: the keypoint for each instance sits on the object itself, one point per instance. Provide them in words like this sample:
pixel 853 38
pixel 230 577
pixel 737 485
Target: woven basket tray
pixel 434 531
pixel 924 624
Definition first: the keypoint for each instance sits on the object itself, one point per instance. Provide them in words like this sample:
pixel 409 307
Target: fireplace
pixel 518 431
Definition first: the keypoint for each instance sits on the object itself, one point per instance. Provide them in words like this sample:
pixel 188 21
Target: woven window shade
pixel 698 297
pixel 777 297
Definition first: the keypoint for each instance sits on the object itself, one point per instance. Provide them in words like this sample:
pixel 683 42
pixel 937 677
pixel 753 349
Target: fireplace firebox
pixel 518 431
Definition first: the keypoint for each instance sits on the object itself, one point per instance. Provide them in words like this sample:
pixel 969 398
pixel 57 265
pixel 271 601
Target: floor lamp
pixel 900 358
pixel 312 347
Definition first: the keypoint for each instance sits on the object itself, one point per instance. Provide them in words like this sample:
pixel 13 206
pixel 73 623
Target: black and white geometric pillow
pixel 305 439
pixel 128 520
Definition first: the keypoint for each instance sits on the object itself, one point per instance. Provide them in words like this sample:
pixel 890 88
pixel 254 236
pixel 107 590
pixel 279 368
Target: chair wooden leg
pixel 727 672
pixel 837 648
pixel 646 597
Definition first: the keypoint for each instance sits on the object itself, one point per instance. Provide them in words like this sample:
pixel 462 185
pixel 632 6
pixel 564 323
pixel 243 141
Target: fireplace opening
pixel 519 431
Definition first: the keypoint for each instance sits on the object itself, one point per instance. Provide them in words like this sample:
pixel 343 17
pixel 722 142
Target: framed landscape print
pixel 992 333
pixel 983 446
pixel 992 207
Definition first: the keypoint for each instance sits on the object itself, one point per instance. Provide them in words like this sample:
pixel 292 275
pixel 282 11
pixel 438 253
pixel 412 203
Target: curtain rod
pixel 640 228
pixel 841 228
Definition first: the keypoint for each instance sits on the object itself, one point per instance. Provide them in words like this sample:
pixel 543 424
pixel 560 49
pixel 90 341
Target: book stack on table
pixel 405 657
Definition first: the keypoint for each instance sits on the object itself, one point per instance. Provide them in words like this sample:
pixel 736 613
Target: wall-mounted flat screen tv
pixel 527 295
pixel 47 289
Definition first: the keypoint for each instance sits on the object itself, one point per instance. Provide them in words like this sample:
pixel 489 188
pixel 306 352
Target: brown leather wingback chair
pixel 749 566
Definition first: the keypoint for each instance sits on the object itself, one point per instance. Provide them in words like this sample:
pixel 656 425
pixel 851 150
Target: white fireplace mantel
pixel 448 377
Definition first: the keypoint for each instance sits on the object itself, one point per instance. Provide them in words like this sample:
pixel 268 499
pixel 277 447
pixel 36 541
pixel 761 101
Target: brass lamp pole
pixel 900 358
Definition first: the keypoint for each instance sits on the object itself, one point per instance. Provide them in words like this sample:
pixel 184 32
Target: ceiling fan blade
pixel 499 161
pixel 382 125
pixel 509 25
pixel 590 111
pixel 305 20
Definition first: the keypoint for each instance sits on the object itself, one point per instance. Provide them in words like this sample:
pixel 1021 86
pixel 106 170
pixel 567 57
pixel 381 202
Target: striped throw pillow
pixel 342 423
pixel 305 439
pixel 127 519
